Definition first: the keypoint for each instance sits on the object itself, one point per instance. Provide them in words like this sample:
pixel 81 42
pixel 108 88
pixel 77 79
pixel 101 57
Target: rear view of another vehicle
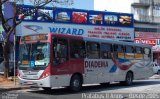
pixel 156 68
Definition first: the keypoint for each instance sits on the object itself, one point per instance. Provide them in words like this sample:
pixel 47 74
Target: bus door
pixel 118 59
pixel 92 70
pixel 60 56
pixel 77 55
pixel 139 61
pixel 106 59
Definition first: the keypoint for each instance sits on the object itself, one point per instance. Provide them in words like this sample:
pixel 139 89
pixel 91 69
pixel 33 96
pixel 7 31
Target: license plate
pixel 29 83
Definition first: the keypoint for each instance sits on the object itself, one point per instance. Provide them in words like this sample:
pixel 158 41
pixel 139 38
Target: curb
pixel 13 88
pixel 155 77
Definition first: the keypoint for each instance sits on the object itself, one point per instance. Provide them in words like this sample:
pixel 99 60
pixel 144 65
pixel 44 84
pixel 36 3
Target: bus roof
pixel 117 42
pixel 99 40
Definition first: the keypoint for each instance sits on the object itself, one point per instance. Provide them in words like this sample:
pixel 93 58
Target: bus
pixel 64 47
pixel 59 60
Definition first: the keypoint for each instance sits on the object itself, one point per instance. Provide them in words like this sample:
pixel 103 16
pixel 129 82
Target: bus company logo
pixel 95 64
pixel 34 28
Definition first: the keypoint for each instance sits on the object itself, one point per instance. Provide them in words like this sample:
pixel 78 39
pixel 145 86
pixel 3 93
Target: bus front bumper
pixel 35 83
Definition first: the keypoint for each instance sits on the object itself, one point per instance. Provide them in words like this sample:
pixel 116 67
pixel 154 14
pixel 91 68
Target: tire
pixel 128 80
pixel 76 83
pixel 46 88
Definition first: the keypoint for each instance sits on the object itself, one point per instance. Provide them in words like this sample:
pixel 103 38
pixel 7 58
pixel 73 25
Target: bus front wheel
pixel 75 83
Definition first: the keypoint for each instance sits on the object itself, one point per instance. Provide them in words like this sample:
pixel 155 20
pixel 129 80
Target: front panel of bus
pixel 45 60
pixel 34 58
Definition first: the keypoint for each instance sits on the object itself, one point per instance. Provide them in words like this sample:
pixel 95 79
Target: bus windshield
pixel 34 55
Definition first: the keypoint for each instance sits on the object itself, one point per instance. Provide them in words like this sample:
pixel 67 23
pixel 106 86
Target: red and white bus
pixel 79 47
pixel 56 60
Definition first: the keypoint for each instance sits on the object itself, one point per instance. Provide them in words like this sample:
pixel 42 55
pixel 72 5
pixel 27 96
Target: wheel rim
pixel 76 83
pixel 129 78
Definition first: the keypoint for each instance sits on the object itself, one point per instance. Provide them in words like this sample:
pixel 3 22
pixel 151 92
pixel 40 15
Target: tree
pixel 9 29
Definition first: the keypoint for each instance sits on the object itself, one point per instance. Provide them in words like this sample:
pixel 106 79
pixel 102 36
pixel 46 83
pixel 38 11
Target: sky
pixel 79 4
pixel 101 5
pixel 84 4
pixel 113 5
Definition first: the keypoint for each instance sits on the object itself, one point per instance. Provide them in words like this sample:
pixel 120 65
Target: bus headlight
pixel 45 73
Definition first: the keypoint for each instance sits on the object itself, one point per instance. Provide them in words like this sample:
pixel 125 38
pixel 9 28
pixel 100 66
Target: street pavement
pixel 150 87
pixel 9 84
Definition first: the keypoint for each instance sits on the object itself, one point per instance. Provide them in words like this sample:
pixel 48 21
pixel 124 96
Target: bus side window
pixel 60 50
pixel 119 51
pixel 138 53
pixel 129 52
pixel 147 53
pixel 93 50
pixel 77 49
pixel 106 50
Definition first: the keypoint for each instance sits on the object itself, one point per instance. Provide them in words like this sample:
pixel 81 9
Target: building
pixel 146 10
pixel 147 24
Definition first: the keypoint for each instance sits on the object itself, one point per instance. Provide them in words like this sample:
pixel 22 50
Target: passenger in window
pixel 76 54
pixel 60 52
pixel 109 54
pixel 56 59
pixel 83 53
pixel 123 49
pixel 105 55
